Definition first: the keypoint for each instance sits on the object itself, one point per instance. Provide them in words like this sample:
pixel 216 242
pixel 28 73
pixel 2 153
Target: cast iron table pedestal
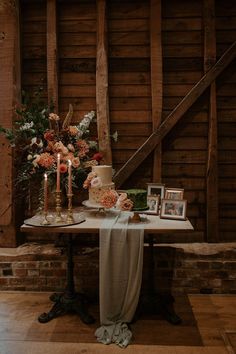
pixel 70 300
pixel 154 302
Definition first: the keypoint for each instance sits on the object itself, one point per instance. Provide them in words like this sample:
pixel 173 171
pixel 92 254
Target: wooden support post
pixel 156 137
pixel 212 161
pixel 52 60
pixel 156 79
pixel 9 97
pixel 102 100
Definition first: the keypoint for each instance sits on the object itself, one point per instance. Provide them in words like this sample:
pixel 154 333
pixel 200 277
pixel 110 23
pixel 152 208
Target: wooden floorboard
pixel 208 327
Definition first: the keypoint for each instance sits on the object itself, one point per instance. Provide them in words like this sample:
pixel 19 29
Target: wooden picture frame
pixel 156 189
pixel 173 209
pixel 153 204
pixel 174 193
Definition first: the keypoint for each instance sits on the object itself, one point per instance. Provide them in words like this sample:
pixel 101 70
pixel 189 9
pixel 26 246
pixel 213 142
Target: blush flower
pixel 96 182
pixel 75 162
pixel 54 116
pixel 109 199
pixel 126 205
pixel 83 148
pixel 60 147
pixel 71 147
pixel 88 180
pixel 45 160
pixel 73 130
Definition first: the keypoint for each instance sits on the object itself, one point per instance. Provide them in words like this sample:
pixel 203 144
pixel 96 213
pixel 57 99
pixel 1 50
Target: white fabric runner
pixel 120 277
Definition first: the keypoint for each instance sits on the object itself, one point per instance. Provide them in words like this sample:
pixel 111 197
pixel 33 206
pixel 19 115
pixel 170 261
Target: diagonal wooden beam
pixel 156 137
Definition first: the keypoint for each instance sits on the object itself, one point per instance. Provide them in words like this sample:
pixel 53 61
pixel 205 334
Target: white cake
pixel 104 173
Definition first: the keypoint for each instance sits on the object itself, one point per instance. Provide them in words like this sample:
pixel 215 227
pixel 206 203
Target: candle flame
pixel 45 176
pixel 58 156
pixel 69 162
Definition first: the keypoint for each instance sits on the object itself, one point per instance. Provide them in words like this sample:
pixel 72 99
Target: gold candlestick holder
pixel 58 217
pixel 45 220
pixel 70 218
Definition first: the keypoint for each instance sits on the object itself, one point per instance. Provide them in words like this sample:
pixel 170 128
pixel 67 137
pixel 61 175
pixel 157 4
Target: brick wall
pixel 187 268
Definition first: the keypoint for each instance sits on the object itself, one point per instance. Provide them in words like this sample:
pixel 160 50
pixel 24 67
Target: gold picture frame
pixel 173 209
pixel 174 193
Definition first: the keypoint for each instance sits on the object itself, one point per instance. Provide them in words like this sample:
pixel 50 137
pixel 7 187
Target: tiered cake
pixel 104 173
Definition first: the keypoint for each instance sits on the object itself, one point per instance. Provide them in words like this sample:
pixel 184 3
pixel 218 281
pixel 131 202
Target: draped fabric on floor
pixel 121 263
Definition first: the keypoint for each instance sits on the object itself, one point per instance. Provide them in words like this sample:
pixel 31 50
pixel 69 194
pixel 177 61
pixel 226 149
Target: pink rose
pixel 109 199
pixel 96 182
pixel 75 162
pixel 126 204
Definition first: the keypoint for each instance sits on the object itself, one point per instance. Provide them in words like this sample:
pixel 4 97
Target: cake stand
pixel 89 204
pixel 99 208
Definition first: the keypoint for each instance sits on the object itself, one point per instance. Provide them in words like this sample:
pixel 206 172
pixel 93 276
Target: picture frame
pixel 173 209
pixel 156 189
pixel 174 193
pixel 153 204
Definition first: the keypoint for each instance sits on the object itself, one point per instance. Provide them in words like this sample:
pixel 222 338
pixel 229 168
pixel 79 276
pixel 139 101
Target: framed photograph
pixel 173 209
pixel 153 204
pixel 156 189
pixel 174 193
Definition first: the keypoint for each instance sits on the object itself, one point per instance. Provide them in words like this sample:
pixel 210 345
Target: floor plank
pixel 208 327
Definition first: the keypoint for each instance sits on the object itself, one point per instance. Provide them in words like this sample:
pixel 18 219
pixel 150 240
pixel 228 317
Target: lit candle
pixel 69 178
pixel 45 193
pixel 58 172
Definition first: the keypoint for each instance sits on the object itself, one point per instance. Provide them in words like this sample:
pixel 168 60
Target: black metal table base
pixel 64 304
pixel 159 304
pixel 156 303
pixel 70 300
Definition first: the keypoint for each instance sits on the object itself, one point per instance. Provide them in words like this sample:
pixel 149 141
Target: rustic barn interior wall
pixel 185 148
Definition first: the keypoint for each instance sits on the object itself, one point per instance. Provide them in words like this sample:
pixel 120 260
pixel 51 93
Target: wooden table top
pixel 152 224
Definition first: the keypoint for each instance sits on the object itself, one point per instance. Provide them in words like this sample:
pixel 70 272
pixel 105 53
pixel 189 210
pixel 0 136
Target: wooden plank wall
pixel 226 112
pixel 9 97
pixel 184 149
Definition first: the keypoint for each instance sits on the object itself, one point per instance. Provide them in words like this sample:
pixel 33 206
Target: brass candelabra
pixel 70 218
pixel 45 220
pixel 58 217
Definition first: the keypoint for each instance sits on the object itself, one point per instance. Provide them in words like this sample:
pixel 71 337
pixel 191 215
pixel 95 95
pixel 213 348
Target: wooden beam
pixel 9 97
pixel 52 60
pixel 102 101
pixel 212 161
pixel 156 137
pixel 156 79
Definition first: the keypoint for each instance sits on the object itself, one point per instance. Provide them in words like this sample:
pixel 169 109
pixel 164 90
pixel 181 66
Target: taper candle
pixel 45 193
pixel 69 178
pixel 58 172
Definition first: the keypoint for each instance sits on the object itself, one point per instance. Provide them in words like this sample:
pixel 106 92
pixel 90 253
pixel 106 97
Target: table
pixel 70 300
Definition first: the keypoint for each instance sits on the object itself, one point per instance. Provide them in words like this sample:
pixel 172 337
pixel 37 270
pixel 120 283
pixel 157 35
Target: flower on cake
pixel 123 202
pixel 96 182
pixel 109 198
pixel 88 181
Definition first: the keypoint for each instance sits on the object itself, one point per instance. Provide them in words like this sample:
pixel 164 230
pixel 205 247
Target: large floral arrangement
pixel 39 135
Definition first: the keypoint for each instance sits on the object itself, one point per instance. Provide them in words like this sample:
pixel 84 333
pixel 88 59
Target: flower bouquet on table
pixel 39 137
pixel 112 199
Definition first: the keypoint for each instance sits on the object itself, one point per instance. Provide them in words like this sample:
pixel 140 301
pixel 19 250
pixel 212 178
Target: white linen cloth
pixel 120 277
